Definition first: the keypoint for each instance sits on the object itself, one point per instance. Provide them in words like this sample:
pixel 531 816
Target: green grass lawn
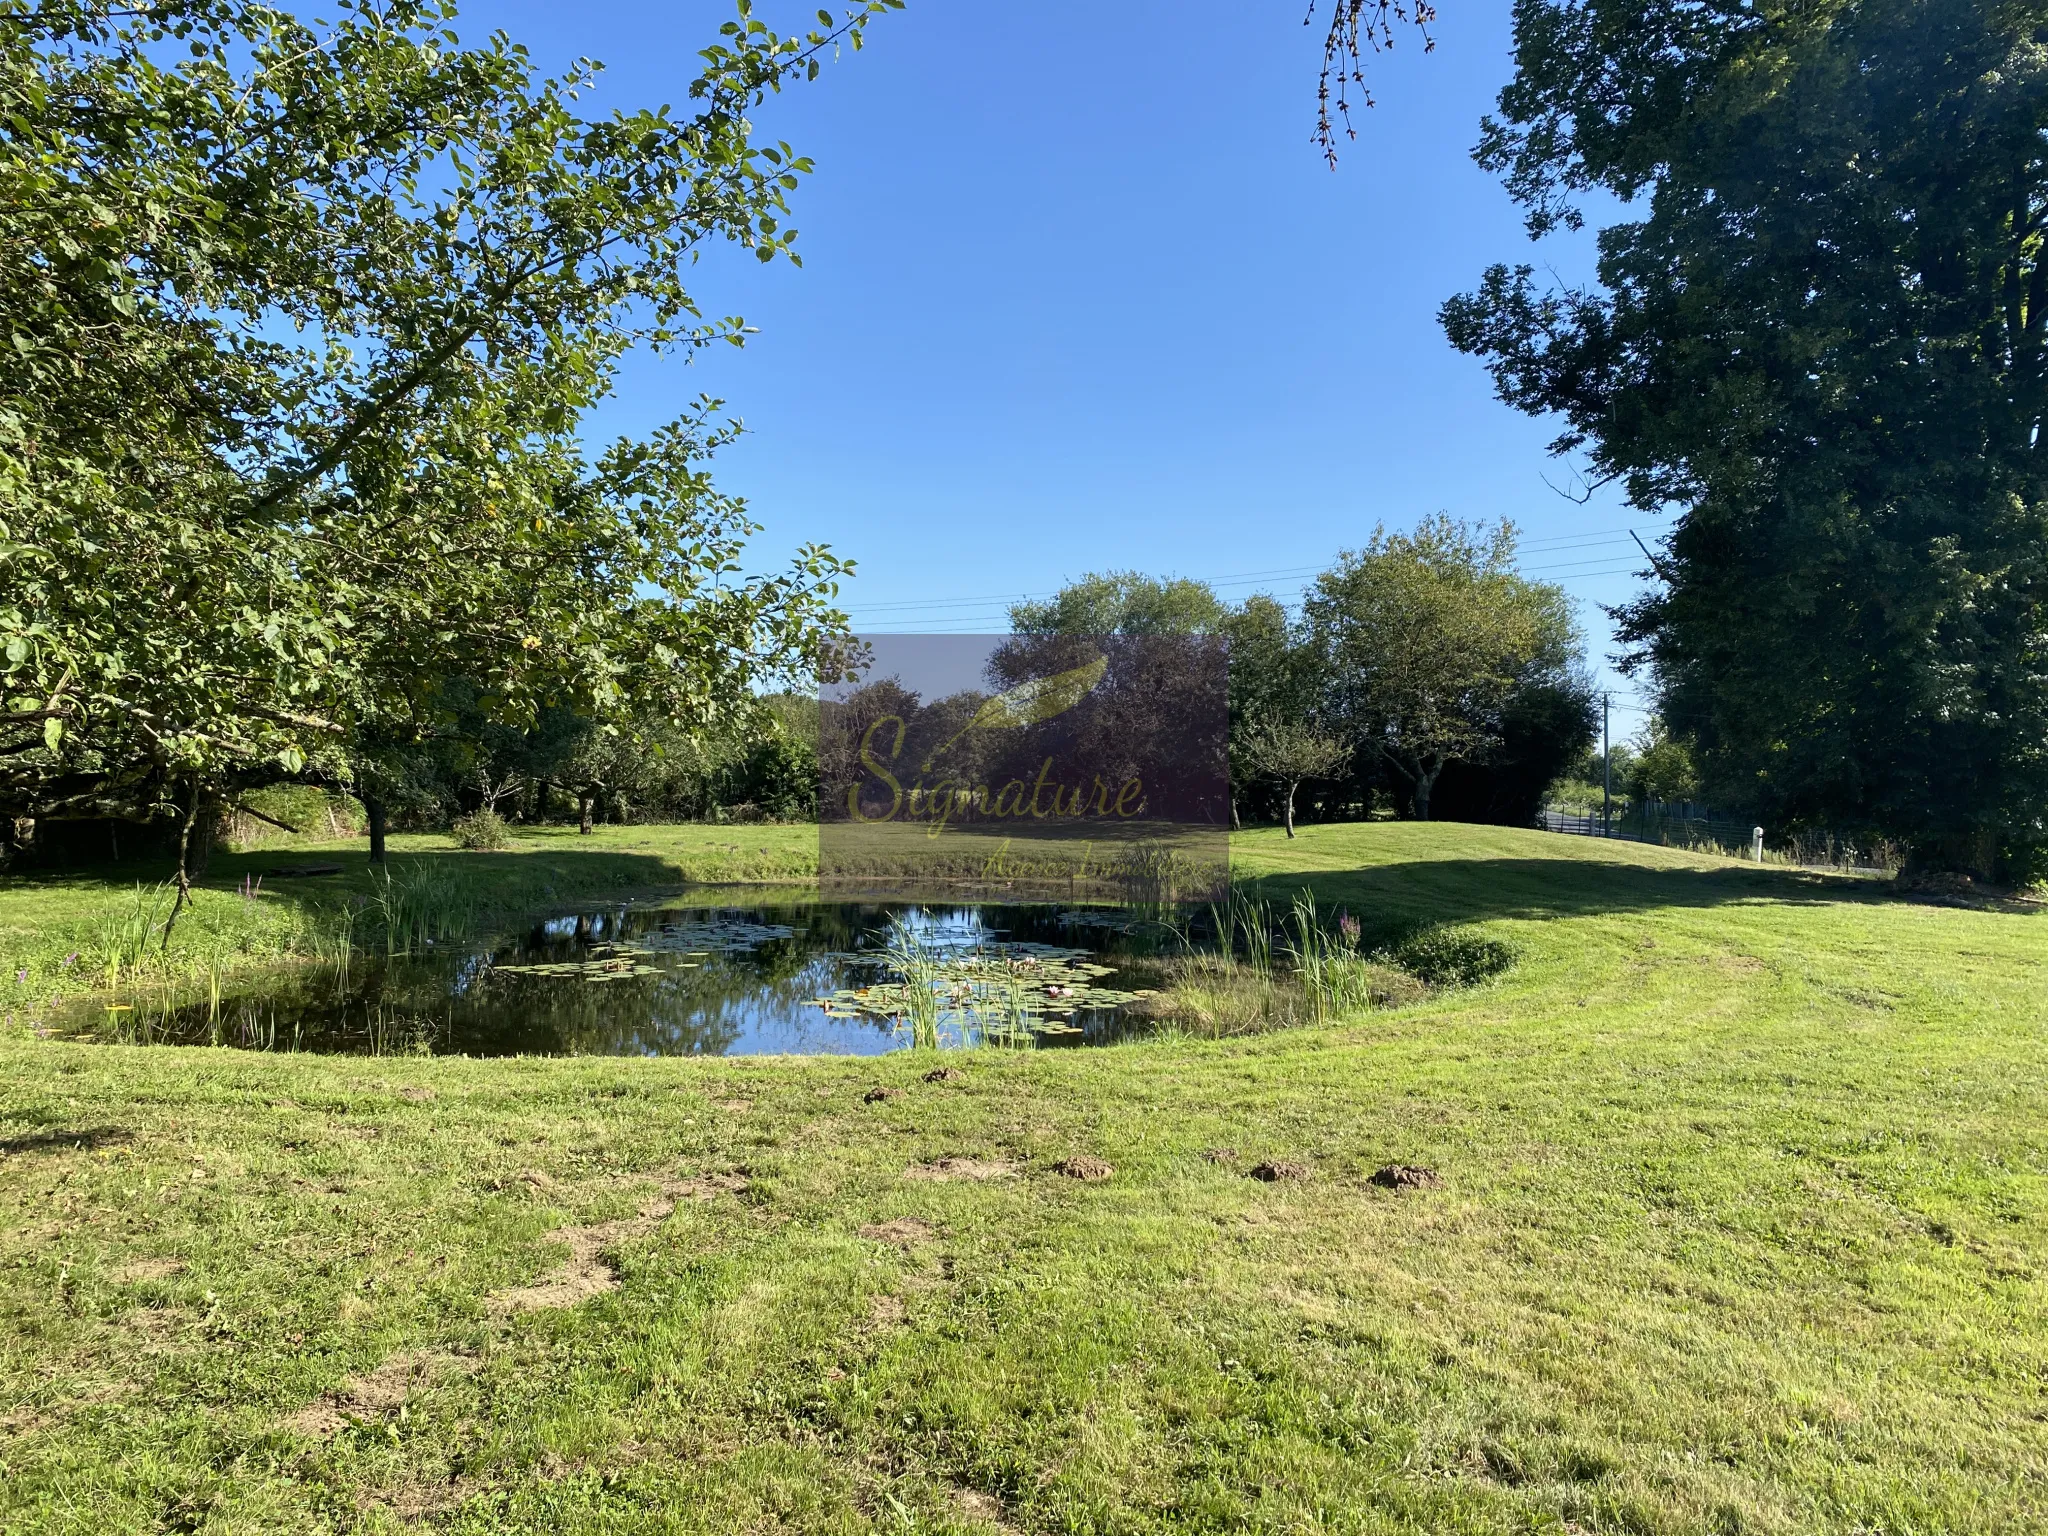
pixel 1743 1226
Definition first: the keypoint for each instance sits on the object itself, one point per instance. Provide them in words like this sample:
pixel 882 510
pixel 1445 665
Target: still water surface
pixel 665 978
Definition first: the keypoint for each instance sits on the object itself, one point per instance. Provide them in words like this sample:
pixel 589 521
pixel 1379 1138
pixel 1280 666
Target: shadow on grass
pixel 1472 890
pixel 226 871
pixel 83 1139
pixel 480 886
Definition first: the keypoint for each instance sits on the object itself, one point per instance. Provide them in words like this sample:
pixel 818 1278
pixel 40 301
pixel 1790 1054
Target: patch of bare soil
pixel 26 1419
pixel 1089 1170
pixel 418 1095
pixel 379 1392
pixel 136 1271
pixel 884 1310
pixel 881 1095
pixel 161 1330
pixel 904 1231
pixel 733 1106
pixel 585 1274
pixel 1219 1154
pixel 974 1505
pixel 944 1075
pixel 972 1168
pixel 709 1186
pixel 1407 1176
pixel 1279 1171
pixel 420 1498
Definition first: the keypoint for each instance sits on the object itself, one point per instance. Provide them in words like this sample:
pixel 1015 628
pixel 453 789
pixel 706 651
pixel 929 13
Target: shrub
pixel 1444 957
pixel 482 832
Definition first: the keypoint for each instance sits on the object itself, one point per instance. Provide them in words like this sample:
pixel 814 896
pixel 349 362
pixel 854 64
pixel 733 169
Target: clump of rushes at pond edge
pixel 1269 973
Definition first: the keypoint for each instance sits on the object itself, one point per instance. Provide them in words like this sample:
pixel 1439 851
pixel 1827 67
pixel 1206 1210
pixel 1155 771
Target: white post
pixel 1756 845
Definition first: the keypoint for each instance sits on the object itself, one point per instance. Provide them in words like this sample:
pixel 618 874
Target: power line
pixel 1578 565
pixel 1236 578
pixel 964 623
pixel 1559 544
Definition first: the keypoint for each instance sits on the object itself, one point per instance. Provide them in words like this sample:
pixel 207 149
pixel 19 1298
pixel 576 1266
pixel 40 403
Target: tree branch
pixel 282 826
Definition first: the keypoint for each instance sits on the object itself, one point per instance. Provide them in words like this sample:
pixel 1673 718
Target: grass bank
pixel 1742 1226
pixel 60 934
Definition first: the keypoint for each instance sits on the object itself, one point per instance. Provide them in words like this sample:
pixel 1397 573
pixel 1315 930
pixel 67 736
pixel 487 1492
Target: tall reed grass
pixel 419 903
pixel 1244 928
pixel 1334 978
pixel 921 971
pixel 1273 969
pixel 127 929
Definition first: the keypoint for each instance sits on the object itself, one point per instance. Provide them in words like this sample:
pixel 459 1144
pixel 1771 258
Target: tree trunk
pixel 184 895
pixel 1235 824
pixel 373 812
pixel 202 836
pixel 1425 781
pixel 1291 783
pixel 589 802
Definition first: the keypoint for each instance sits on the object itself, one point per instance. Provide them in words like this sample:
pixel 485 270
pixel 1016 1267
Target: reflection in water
pixel 630 979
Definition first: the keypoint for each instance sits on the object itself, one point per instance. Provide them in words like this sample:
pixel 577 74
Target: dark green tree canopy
pixel 1822 332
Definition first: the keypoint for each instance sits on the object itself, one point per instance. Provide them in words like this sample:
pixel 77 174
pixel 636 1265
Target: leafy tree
pixel 1295 688
pixel 1663 766
pixel 645 519
pixel 1273 683
pixel 299 319
pixel 1824 337
pixel 779 777
pixel 761 757
pixel 1289 751
pixel 1124 603
pixel 1270 675
pixel 1423 641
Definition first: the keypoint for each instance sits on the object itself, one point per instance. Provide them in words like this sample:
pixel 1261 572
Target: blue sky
pixel 1080 294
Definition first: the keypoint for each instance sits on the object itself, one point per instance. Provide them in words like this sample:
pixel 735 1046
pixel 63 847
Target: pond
pixel 675 977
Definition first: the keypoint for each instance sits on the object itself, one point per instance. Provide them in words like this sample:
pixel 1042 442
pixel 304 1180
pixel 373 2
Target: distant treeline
pixel 1419 676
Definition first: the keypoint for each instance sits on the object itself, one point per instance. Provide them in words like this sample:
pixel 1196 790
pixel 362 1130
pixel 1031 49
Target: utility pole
pixel 1606 766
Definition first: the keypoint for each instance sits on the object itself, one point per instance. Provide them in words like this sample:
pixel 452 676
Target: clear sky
pixel 1080 294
